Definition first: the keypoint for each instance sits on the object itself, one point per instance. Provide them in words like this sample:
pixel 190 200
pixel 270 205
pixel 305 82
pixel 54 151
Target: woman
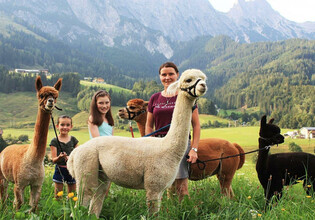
pixel 160 111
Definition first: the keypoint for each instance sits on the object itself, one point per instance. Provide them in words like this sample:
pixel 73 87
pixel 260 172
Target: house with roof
pixel 308 132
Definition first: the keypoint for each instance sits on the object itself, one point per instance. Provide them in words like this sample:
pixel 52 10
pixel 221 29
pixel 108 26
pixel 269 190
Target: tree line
pixel 20 82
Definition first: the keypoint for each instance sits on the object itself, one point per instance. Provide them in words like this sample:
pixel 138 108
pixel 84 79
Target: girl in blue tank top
pixel 100 121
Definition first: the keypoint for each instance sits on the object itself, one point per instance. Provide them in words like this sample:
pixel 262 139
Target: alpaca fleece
pixel 209 148
pixel 24 165
pixel 137 163
pixel 278 170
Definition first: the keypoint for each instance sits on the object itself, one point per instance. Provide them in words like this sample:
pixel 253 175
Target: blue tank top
pixel 105 130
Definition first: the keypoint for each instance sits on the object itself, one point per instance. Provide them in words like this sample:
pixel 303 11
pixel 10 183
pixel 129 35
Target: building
pixel 99 80
pixel 308 132
pixel 29 71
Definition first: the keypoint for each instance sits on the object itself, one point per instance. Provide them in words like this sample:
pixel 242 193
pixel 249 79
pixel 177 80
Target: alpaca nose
pixel 50 101
pixel 203 87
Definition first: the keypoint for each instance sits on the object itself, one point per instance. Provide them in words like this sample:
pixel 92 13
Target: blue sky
pixel 294 10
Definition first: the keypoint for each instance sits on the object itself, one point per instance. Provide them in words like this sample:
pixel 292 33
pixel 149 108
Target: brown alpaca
pixel 208 149
pixel 24 164
pixel 136 110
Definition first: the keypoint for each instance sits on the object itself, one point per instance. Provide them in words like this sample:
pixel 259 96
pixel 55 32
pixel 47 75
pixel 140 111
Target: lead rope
pixel 58 142
pixel 203 162
pixel 131 129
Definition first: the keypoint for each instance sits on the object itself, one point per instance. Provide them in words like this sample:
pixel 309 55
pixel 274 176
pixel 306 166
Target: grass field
pixel 247 137
pixel 206 202
pixel 105 86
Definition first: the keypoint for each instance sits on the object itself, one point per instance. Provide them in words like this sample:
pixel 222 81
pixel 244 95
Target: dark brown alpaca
pixel 282 169
pixel 24 164
pixel 208 149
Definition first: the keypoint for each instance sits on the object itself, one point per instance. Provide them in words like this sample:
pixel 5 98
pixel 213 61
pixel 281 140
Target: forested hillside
pixel 277 77
pixel 40 51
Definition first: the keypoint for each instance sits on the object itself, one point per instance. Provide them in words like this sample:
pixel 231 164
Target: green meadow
pixel 105 86
pixel 206 201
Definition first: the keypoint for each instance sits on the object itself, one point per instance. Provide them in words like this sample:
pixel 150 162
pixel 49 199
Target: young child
pixel 100 121
pixel 60 153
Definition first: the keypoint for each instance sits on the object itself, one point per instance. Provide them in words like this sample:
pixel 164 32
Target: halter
pixel 272 140
pixel 132 115
pixel 190 88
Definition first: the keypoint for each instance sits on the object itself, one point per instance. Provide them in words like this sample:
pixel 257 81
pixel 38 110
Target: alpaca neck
pixel 262 156
pixel 179 131
pixel 37 148
pixel 141 123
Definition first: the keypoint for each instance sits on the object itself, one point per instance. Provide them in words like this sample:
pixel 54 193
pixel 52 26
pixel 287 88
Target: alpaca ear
pixel 263 120
pixel 145 103
pixel 172 89
pixel 38 83
pixel 58 84
pixel 271 121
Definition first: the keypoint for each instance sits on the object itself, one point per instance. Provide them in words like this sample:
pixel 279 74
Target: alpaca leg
pixel 308 185
pixel 181 188
pixel 3 190
pixel 18 197
pixel 98 197
pixel 86 176
pixel 153 201
pixel 225 185
pixel 171 192
pixel 34 197
pixel 231 192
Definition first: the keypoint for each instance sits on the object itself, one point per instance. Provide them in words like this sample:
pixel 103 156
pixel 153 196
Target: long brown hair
pixel 96 115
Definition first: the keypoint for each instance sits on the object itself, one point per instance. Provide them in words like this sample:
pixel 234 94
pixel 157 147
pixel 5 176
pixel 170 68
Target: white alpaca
pixel 138 163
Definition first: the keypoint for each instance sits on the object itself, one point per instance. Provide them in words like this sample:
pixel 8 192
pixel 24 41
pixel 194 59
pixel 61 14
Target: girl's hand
pixel 63 155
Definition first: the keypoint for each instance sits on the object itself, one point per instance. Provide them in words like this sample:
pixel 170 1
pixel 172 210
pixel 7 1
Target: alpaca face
pixel 270 132
pixel 134 108
pixel 193 82
pixel 47 95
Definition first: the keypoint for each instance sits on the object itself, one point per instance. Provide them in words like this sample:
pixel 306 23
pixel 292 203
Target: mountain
pixel 260 22
pixel 151 27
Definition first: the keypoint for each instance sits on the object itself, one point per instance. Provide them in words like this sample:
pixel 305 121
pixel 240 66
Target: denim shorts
pixel 63 177
pixel 183 166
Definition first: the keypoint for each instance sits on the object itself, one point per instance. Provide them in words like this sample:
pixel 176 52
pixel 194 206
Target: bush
pixel 11 139
pixel 23 138
pixel 293 147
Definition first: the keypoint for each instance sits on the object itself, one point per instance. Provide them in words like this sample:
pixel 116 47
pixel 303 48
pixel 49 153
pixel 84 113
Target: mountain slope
pixel 153 26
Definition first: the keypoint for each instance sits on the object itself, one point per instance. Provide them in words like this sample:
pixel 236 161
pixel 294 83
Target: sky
pixel 294 10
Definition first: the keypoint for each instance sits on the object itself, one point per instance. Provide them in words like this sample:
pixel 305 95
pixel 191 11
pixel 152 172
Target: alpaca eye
pixel 188 80
pixel 132 107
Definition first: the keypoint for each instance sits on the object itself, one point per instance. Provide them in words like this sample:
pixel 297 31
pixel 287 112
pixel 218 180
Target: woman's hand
pixel 193 156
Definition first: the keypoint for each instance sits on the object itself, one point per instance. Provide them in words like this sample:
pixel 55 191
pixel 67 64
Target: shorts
pixel 64 176
pixel 183 166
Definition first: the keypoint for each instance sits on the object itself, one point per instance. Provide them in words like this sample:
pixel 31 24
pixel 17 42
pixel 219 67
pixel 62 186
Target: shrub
pixel 23 138
pixel 293 147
